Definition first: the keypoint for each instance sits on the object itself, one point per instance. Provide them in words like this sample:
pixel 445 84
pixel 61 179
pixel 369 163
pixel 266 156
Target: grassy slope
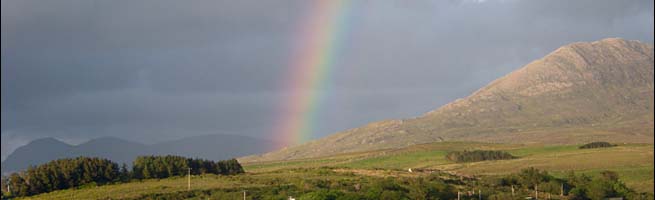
pixel 634 162
pixel 204 182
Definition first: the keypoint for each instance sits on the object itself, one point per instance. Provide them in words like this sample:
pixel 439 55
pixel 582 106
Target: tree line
pixel 478 155
pixel 167 166
pixel 81 171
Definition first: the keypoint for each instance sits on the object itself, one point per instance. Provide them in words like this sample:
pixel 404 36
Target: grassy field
pixel 384 159
pixel 633 162
pixel 236 183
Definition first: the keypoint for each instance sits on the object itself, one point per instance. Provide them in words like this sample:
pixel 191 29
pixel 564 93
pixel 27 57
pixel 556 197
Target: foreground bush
pixel 478 155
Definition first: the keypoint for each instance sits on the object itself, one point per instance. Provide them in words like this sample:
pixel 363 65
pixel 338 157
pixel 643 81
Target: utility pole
pixel 561 190
pixel 512 190
pixel 188 188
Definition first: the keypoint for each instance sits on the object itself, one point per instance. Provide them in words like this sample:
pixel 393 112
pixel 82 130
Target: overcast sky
pixel 156 70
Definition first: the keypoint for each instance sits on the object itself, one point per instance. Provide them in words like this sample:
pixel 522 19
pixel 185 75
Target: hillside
pixel 581 92
pixel 212 147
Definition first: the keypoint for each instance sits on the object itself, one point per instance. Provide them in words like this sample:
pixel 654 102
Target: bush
pixel 605 186
pixel 529 177
pixel 594 145
pixel 321 194
pixel 421 188
pixel 478 155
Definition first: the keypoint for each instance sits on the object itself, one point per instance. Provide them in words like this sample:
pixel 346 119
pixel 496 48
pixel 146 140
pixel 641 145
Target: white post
pixel 244 195
pixel 458 193
pixel 561 190
pixel 189 180
pixel 512 190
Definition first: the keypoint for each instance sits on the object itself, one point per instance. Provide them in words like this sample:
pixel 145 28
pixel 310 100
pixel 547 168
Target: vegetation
pixel 62 174
pixel 167 166
pixel 631 161
pixel 354 175
pixel 342 184
pixel 594 145
pixel 478 155
pixel 344 187
pixel 82 172
pixel 574 187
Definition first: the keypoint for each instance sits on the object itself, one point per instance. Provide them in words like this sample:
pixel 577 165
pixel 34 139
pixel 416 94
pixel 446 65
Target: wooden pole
pixel 458 193
pixel 512 190
pixel 536 192
pixel 188 188
pixel 561 190
pixel 244 195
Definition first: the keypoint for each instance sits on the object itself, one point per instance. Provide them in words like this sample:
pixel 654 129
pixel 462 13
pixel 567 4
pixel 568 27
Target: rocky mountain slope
pixel 586 91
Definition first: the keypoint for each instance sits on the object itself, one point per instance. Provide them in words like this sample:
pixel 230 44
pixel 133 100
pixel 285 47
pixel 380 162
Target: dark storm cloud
pixel 155 70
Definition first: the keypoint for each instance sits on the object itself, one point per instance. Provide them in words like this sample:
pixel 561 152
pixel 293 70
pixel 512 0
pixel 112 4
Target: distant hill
pixel 213 147
pixel 582 92
pixel 37 151
pixel 115 149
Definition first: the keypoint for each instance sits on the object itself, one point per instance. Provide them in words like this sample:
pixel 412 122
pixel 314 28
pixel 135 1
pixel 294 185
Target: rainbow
pixel 315 54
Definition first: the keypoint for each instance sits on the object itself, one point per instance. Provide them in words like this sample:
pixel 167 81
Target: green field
pixel 633 162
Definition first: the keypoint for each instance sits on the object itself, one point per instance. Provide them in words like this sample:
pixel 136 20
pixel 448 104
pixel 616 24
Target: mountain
pixel 213 147
pixel 115 149
pixel 36 151
pixel 581 92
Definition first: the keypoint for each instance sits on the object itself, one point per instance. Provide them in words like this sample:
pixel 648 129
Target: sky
pixel 156 70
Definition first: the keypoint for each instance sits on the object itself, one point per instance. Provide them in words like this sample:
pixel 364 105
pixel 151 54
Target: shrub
pixel 605 186
pixel 321 194
pixel 478 155
pixel 594 145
